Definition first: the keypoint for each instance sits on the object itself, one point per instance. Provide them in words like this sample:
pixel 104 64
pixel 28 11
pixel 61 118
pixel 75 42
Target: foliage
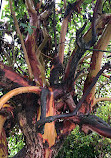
pixel 104 111
pixel 79 145
pixel 15 142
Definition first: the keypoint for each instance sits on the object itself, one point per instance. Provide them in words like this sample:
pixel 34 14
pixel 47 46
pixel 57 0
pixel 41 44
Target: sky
pixel 1 7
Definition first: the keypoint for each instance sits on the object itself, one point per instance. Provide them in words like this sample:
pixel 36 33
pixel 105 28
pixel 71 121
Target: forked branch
pixel 30 7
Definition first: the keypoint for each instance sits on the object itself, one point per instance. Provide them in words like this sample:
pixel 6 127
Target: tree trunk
pixel 36 145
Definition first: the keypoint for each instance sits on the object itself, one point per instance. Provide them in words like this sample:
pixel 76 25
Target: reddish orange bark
pixel 96 62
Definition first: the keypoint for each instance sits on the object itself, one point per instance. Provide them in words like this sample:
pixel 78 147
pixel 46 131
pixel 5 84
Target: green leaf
pixel 30 31
pixel 34 27
pixel 23 25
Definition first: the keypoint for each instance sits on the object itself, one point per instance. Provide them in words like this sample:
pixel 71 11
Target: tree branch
pixel 107 76
pixel 52 118
pixel 82 45
pixel 39 54
pixel 21 38
pixel 84 58
pixel 44 15
pixel 96 100
pixel 101 22
pixel 46 37
pixel 96 124
pixel 14 92
pixel 64 4
pixel 97 59
pixel 7 76
pixel 70 8
pixel 21 153
pixel 54 26
pixel 31 47
pixel 30 7
pixel 62 38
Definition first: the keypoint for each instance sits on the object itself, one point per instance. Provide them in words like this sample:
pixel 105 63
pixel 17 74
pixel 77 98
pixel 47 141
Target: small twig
pixel 98 50
pixel 78 74
pixel 7 57
pixel 107 76
pixel 46 56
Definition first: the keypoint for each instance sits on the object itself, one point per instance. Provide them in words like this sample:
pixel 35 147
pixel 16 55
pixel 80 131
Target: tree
pixel 42 98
